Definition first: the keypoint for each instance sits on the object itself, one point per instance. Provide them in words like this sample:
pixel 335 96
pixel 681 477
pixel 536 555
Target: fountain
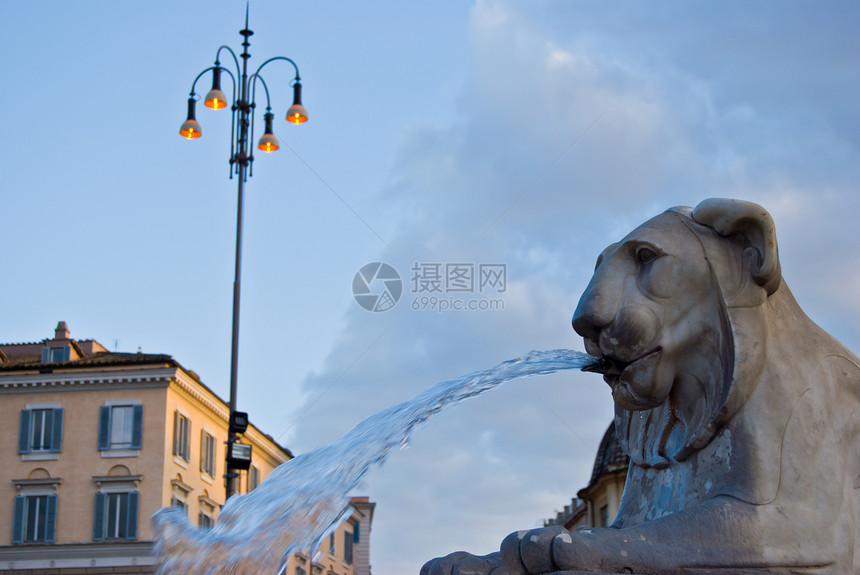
pixel 302 500
pixel 741 418
pixel 740 415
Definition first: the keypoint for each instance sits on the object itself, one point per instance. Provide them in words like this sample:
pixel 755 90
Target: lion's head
pixel 674 307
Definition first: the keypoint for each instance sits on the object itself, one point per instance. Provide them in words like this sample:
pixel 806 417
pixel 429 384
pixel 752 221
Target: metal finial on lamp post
pixel 241 162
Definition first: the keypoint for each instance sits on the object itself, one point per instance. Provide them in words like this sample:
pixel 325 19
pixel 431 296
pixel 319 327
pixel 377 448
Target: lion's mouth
pixel 612 368
pixel 606 366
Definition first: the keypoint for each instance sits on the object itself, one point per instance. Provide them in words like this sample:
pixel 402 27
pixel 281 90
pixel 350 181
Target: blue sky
pixel 527 134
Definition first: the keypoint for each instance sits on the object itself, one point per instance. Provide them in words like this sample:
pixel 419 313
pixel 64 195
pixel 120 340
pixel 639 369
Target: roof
pixel 610 457
pixel 104 358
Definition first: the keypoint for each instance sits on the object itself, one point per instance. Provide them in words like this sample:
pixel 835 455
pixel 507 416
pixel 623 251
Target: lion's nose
pixel 592 314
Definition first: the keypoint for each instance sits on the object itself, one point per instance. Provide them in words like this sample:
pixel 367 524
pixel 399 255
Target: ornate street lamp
pixel 242 103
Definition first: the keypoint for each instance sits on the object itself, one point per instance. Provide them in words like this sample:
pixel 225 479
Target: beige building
pixel 94 442
pixel 597 504
pixel 347 550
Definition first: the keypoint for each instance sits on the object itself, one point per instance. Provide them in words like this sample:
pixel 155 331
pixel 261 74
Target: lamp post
pixel 242 104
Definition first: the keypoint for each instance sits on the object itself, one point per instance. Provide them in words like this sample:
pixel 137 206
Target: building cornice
pixel 204 396
pixel 76 555
pixel 17 382
pixel 26 486
pixel 201 395
pixel 116 478
pixel 181 486
pixel 266 442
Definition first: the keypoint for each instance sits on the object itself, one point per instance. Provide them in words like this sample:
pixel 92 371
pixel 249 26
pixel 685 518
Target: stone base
pixel 688 571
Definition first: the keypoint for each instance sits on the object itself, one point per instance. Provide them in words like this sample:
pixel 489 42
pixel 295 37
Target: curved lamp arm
pixel 297 113
pixel 217 65
pixel 232 53
pixel 252 80
pixel 297 79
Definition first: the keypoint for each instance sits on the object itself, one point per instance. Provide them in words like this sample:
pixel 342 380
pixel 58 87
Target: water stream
pixel 302 500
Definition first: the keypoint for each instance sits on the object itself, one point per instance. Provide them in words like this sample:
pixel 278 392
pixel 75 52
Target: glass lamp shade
pixel 297 113
pixel 268 143
pixel 215 99
pixel 190 129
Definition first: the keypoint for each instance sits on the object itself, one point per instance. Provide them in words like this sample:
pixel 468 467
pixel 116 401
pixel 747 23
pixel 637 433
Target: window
pixel 177 502
pixel 181 433
pixel 253 478
pixel 35 519
pixel 604 516
pixel 41 430
pixel 205 521
pixel 207 454
pixel 115 516
pixel 56 354
pixel 300 570
pixel 331 549
pixel 181 490
pixel 347 547
pixel 206 517
pixel 120 427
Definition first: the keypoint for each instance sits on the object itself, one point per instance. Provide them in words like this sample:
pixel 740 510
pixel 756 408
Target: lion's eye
pixel 645 255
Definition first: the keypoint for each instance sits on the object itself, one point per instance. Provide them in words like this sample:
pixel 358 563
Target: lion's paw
pixel 533 552
pixel 462 563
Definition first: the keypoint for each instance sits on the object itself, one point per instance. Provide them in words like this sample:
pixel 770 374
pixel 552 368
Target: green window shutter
pixel 24 433
pixel 18 520
pixel 187 440
pixel 131 530
pixel 104 429
pixel 99 517
pixel 137 427
pixel 51 519
pixel 176 433
pixel 67 353
pixel 57 430
pixel 355 536
pixel 347 547
pixel 202 449
pixel 46 355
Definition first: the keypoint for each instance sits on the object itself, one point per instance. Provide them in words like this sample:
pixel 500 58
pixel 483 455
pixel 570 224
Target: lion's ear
pixel 752 222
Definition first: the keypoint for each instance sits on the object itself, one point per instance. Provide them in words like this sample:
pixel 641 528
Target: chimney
pixel 62 331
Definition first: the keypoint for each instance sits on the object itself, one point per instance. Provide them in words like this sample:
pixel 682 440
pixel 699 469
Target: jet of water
pixel 305 498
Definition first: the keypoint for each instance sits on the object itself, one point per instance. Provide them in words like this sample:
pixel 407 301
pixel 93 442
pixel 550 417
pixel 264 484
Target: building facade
pixel 94 442
pixel 347 549
pixel 597 504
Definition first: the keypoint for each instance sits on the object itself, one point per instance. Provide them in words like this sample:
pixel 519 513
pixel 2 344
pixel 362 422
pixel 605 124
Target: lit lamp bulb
pixel 297 113
pixel 216 99
pixel 190 128
pixel 268 143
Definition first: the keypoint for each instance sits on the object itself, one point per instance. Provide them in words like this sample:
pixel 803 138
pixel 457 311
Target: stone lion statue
pixel 740 415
